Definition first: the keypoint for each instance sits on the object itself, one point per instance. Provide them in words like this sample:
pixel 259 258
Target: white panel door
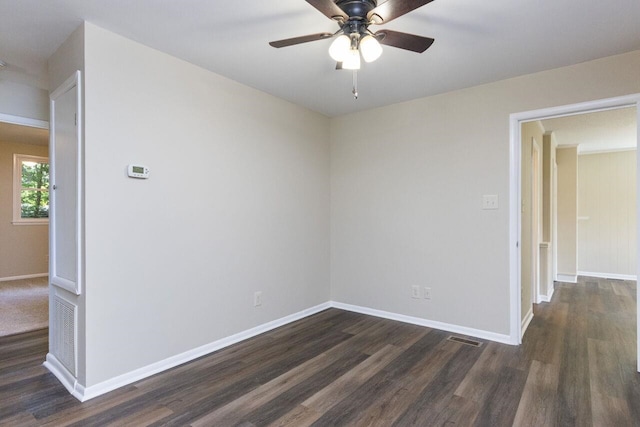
pixel 65 178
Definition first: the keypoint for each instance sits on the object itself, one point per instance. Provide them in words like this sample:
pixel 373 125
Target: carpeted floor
pixel 24 305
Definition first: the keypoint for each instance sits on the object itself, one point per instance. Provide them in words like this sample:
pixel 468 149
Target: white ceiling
pixel 476 42
pixel 610 130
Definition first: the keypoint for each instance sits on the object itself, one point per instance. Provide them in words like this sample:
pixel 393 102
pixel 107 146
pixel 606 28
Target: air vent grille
pixel 64 339
pixel 464 341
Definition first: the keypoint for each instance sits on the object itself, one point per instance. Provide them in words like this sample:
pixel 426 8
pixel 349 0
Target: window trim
pixel 17 189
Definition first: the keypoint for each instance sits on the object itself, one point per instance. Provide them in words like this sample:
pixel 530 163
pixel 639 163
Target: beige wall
pixel 24 249
pixel 549 160
pixel 407 182
pixel 547 254
pixel 607 213
pixel 567 159
pixel 530 131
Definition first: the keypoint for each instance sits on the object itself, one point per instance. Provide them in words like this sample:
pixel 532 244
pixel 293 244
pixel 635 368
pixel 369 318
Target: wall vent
pixel 64 339
pixel 464 341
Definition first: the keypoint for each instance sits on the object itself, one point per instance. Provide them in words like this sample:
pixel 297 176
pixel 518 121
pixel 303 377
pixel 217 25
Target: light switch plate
pixel 490 201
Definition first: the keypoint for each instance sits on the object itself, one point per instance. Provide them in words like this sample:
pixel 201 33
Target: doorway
pixel 515 209
pixel 24 247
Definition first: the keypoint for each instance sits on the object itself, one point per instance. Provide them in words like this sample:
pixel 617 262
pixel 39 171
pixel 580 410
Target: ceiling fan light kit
pixel 354 37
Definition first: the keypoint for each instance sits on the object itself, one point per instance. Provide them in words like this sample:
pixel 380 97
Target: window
pixel 30 189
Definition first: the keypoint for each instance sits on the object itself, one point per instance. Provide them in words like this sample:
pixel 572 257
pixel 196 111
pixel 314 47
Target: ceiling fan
pixel 354 37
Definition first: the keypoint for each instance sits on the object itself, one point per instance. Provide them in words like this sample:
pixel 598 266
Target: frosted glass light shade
pixel 340 47
pixel 370 48
pixel 352 60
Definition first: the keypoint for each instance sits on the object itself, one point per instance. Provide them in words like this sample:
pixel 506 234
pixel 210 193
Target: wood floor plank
pixel 267 392
pixel 300 416
pixel 607 394
pixel 574 383
pixel 384 382
pixel 342 387
pixel 538 402
pixel 388 406
pixel 430 404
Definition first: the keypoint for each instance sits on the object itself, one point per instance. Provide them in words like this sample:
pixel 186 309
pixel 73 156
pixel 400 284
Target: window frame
pixel 17 189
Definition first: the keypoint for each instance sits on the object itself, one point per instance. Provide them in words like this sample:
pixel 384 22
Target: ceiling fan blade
pixel 393 9
pixel 404 40
pixel 302 39
pixel 329 9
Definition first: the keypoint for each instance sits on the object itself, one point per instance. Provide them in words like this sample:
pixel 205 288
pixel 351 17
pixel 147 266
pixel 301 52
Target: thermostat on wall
pixel 138 171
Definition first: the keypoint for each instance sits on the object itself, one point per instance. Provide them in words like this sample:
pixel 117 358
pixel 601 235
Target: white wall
pixel 18 99
pixel 237 202
pixel 407 182
pixel 607 213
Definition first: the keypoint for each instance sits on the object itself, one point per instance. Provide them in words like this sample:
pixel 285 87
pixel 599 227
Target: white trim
pixel 492 336
pixel 515 122
pixel 24 276
pixel 638 236
pixel 85 393
pixel 567 278
pixel 547 298
pixel 64 376
pixel 75 80
pixel 24 121
pixel 526 321
pixel 604 151
pixel 608 275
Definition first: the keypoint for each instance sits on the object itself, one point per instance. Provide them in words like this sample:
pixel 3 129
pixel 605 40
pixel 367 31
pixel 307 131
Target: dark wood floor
pixel 577 366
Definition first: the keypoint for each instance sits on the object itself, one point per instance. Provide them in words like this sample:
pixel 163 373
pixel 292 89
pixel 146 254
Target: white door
pixel 65 178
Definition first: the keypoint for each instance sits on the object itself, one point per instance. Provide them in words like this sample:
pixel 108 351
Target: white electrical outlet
pixel 490 202
pixel 427 293
pixel 415 292
pixel 257 299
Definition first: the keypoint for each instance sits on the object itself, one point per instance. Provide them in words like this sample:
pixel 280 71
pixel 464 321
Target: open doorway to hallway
pixel 578 203
pixel 24 246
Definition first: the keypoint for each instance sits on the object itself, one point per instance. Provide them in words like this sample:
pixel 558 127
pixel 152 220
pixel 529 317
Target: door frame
pixel 24 121
pixel 536 162
pixel 515 196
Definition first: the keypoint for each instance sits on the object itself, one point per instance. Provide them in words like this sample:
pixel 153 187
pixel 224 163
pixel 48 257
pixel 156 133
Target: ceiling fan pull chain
pixel 355 85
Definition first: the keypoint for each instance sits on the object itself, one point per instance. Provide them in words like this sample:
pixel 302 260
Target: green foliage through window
pixel 34 195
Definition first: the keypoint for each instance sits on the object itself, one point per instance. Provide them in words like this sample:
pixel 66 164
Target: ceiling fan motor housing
pixel 357 9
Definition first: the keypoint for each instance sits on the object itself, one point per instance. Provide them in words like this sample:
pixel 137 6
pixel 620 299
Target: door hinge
pixel 75 119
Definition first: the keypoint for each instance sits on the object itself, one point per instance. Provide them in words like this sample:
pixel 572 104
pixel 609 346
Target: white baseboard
pixel 567 278
pixel 26 276
pixel 547 298
pixel 608 275
pixel 85 393
pixel 463 330
pixel 526 321
pixel 64 376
